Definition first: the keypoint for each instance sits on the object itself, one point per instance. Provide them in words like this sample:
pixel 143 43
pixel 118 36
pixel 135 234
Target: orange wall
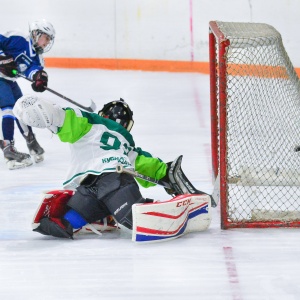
pixel 131 64
pixel 128 64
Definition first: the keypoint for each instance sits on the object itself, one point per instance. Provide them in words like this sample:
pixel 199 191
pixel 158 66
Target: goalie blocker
pixel 152 222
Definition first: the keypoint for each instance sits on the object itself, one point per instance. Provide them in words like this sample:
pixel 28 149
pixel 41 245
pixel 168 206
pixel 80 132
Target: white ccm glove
pixel 39 113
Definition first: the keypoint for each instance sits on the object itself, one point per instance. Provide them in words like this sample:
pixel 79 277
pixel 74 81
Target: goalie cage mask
pixel 118 111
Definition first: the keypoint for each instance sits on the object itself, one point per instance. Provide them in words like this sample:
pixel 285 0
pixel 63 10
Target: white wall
pixel 147 29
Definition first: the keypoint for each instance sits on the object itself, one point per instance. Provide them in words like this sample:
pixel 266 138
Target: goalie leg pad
pixel 162 221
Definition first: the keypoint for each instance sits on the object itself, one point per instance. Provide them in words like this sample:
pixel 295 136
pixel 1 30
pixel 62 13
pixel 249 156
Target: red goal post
pixel 255 126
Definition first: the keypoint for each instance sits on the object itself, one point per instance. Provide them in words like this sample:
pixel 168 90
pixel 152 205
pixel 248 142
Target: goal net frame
pixel 219 44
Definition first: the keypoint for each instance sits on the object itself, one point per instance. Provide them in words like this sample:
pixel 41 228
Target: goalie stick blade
pixel 92 106
pixel 163 221
pixel 216 192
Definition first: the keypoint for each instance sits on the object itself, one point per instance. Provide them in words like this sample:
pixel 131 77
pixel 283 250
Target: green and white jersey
pixel 99 144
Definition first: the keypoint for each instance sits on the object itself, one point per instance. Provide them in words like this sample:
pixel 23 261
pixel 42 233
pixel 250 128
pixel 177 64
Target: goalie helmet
pixel 118 111
pixel 36 29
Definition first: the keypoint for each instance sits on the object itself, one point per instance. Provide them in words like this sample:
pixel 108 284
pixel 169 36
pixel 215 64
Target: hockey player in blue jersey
pixel 22 54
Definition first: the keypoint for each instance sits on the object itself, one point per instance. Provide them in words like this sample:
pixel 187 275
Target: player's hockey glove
pixel 8 66
pixel 40 81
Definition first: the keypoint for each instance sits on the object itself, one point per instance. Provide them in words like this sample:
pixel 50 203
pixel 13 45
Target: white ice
pixel 172 117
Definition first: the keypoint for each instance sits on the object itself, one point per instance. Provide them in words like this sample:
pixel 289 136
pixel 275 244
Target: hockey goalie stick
pixel 90 108
pixel 214 197
pixel 121 169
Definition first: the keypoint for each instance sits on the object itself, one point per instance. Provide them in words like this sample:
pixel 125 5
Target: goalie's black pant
pixel 107 194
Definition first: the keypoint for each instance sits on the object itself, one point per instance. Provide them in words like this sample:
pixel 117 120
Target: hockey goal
pixel 255 126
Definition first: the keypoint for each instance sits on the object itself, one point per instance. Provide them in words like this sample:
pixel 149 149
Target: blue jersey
pixel 21 48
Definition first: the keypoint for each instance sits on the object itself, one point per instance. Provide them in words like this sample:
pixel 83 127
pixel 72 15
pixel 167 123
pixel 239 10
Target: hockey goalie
pixel 96 197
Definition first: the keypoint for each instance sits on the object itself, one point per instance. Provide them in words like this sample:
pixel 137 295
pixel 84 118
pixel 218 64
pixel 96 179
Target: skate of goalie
pixel 152 222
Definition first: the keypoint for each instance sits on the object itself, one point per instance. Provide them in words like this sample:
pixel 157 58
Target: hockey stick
pixel 121 169
pixel 214 197
pixel 90 108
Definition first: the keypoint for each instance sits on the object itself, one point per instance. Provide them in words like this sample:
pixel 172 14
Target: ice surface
pixel 172 117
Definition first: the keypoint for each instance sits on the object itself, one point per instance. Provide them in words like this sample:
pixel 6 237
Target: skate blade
pixel 13 164
pixel 38 158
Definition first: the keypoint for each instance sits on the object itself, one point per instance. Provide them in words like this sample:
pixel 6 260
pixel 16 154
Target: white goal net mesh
pixel 263 125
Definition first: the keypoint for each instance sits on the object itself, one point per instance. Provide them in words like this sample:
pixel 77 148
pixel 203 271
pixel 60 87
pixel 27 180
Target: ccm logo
pixel 183 203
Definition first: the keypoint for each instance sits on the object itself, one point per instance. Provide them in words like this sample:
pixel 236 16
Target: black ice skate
pixel 34 148
pixel 14 158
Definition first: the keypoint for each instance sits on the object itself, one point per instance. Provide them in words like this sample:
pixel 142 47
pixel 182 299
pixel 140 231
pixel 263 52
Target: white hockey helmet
pixel 36 29
pixel 118 111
